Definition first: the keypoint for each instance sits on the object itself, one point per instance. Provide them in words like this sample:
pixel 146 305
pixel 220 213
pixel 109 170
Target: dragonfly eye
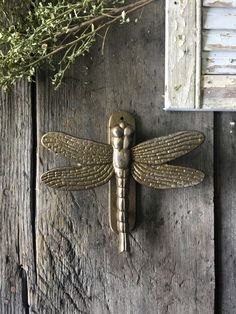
pixel 117 131
pixel 128 131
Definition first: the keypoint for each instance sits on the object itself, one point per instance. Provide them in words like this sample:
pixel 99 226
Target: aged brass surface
pixel 97 163
pixel 130 190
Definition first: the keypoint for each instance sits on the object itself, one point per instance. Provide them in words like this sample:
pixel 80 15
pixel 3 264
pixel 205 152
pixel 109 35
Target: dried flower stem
pixel 48 28
pixel 127 8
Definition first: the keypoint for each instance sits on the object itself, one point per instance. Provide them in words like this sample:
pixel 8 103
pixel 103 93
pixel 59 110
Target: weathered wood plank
pixel 219 81
pixel 16 241
pixel 171 267
pixel 219 91
pixel 220 3
pixel 217 104
pixel 219 40
pixel 219 18
pixel 219 62
pixel 225 179
pixel 183 31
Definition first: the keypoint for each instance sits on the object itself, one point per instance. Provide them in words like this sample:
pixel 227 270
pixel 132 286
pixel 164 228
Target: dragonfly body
pixel 122 139
pixel 148 163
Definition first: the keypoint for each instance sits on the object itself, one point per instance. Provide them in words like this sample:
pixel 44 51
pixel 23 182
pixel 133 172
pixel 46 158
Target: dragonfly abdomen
pixel 122 213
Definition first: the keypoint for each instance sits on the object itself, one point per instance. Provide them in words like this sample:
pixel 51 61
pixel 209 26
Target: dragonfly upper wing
pixel 81 151
pixel 79 177
pixel 163 149
pixel 166 176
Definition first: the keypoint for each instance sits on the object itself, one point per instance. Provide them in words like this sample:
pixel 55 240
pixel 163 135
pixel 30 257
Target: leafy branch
pixel 39 30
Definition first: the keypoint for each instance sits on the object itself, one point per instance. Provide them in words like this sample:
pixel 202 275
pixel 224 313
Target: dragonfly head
pixel 122 136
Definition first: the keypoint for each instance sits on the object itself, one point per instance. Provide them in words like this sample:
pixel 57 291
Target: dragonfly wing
pixel 81 151
pixel 166 176
pixel 78 178
pixel 160 150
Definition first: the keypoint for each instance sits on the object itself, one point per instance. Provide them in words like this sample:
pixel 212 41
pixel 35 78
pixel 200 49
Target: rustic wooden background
pixel 58 254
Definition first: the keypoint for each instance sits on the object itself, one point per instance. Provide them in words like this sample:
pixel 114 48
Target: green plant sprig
pixel 39 30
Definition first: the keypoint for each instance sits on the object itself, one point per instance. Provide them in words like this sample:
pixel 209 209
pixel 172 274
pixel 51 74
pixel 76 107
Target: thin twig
pixel 132 8
pixel 104 39
pixel 127 8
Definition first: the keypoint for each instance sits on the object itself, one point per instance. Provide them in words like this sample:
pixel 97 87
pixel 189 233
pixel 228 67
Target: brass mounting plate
pixel 116 118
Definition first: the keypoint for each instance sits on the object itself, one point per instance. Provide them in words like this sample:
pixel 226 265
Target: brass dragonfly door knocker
pixel 97 163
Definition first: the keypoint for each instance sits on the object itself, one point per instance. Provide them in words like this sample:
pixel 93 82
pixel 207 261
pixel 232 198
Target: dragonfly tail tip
pixel 123 242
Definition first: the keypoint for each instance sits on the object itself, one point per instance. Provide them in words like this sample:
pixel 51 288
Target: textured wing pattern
pixel 163 149
pixel 78 178
pixel 81 151
pixel 166 176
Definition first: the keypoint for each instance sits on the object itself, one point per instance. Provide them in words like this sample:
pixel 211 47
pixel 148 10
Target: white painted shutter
pixel 200 69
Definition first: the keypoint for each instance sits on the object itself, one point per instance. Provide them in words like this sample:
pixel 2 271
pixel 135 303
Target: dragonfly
pixel 95 163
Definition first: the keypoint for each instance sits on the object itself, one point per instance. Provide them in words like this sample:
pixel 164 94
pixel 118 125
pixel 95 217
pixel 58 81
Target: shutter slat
pixel 219 3
pixel 219 91
pixel 219 18
pixel 219 40
pixel 219 62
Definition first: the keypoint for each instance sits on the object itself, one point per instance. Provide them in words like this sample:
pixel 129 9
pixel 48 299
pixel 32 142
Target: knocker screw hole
pixel 122 118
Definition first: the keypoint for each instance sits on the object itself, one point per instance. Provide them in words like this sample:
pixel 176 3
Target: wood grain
pixel 218 58
pixel 171 266
pixel 205 45
pixel 17 273
pixel 219 62
pixel 219 91
pixel 221 41
pixel 219 18
pixel 225 200
pixel 182 54
pixel 220 3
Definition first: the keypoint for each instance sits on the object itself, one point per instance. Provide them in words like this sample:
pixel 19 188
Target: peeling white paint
pixel 200 54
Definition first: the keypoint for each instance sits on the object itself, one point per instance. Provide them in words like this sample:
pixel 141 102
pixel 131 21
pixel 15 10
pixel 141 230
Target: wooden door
pixel 58 254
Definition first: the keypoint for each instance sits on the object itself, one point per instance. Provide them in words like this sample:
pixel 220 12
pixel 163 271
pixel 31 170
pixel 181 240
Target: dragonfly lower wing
pixel 79 177
pixel 166 176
